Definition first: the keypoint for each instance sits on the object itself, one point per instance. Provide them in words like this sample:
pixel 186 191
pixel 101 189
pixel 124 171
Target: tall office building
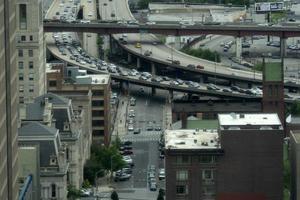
pixel 8 102
pixel 31 49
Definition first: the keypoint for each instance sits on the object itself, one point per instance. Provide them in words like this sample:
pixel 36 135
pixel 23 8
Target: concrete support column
pixel 124 87
pixel 170 96
pixel 238 47
pixel 282 50
pixel 153 69
pixel 129 58
pixel 138 63
pixel 183 118
pixel 111 47
pixel 153 91
pixel 177 42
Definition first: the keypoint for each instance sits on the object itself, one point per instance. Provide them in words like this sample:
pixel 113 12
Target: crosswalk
pixel 142 137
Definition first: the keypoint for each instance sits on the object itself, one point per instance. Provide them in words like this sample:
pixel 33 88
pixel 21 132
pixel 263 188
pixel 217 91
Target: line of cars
pixel 252 91
pixel 126 172
pixel 152 178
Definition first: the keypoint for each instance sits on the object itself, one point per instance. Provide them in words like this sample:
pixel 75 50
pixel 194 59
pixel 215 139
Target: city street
pixel 145 144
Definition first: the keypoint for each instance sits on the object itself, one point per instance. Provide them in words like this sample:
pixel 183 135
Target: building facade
pixel 242 160
pixel 295 164
pixel 9 187
pixel 30 49
pixel 75 80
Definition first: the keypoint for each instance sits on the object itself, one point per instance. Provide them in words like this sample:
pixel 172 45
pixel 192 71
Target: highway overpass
pixel 238 30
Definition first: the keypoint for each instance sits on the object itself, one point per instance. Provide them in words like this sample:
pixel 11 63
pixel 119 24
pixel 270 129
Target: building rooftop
pixel 100 79
pixel 192 139
pixel 233 119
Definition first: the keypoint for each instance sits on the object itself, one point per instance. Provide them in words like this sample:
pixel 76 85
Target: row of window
pixel 21 52
pixel 30 77
pixel 183 175
pixel 30 89
pixel 202 159
pixel 21 65
pixel 206 190
pixel 23 38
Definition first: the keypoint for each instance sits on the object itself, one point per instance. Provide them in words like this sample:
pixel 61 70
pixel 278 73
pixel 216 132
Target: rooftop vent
pixel 242 116
pixel 195 141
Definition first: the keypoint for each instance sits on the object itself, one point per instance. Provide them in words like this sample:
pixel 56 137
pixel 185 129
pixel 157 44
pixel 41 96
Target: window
pixel 23 38
pixel 97 113
pixel 53 190
pixel 31 88
pixel 21 88
pixel 20 52
pixel 21 65
pixel 97 103
pixel 182 175
pixel 30 53
pixel 206 159
pixel 22 16
pixel 21 77
pixel 52 83
pixel 270 91
pixel 207 174
pixel 30 64
pixel 31 77
pixel 21 99
pixel 30 37
pixel 181 189
pixel 182 159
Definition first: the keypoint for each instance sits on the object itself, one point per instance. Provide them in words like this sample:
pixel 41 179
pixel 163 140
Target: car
pixel 199 67
pixel 226 90
pixel 179 81
pixel 127 143
pixel 85 193
pixel 292 20
pixel 137 131
pixel 153 186
pixel 235 88
pixel 191 66
pixel 130 127
pixel 150 23
pixel 173 82
pixel 138 45
pixel 127 152
pixel 141 90
pixel 130 121
pixel 152 168
pixel 122 177
pixel 131 113
pixel 176 62
pixel 127 170
pixel 161 174
pixel 132 101
pixel 157 128
pixel 147 53
pixel 162 155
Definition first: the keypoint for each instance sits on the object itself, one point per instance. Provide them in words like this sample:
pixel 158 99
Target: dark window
pixel 21 65
pixel 30 37
pixel 276 92
pixel 181 189
pixel 21 77
pixel 206 159
pixel 97 113
pixel 98 92
pixel 31 77
pixel 30 64
pixel 98 133
pixel 23 38
pixel 182 159
pixel 20 52
pixel 30 53
pixel 97 103
pixel 21 99
pixel 53 190
pixel 97 123
pixel 270 91
pixel 52 83
pixel 23 16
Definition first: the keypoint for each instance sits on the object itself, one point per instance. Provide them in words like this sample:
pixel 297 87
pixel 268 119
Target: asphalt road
pixel 145 144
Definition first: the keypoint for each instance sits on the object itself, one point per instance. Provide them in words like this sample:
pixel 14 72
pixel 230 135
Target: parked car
pixel 162 174
pixel 137 131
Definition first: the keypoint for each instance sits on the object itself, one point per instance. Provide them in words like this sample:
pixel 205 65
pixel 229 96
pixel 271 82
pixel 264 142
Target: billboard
pixel 269 6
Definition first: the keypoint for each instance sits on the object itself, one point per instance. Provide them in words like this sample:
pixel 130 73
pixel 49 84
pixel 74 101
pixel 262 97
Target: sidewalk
pixel 120 120
pixel 167 116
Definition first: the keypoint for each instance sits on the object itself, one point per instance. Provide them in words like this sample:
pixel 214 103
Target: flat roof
pixel 192 139
pixel 234 119
pixel 97 79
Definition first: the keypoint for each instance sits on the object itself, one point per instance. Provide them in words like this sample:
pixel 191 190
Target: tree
pixel 114 195
pixel 295 108
pixel 86 184
pixel 73 193
pixel 161 194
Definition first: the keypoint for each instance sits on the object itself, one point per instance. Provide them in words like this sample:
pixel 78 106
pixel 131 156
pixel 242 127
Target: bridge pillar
pixel 177 42
pixel 153 69
pixel 138 63
pixel 129 58
pixel 183 118
pixel 124 87
pixel 153 91
pixel 238 47
pixel 170 96
pixel 282 49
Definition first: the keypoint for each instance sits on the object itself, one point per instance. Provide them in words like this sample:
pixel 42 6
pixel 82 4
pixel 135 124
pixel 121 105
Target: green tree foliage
pixel 295 108
pixel 101 159
pixel 73 193
pixel 86 184
pixel 114 195
pixel 161 194
pixel 143 4
pixel 203 53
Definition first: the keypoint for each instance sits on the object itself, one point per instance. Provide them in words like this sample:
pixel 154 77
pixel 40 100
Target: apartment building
pixel 9 187
pixel 242 160
pixel 71 79
pixel 30 49
pixel 295 164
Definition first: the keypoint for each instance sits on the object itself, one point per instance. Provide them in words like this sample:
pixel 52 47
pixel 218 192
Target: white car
pixel 130 127
pixel 82 62
pixel 150 23
pixel 162 174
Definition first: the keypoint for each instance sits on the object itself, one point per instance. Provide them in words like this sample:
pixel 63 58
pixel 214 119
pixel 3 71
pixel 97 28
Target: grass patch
pixel 277 16
pixel 203 53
